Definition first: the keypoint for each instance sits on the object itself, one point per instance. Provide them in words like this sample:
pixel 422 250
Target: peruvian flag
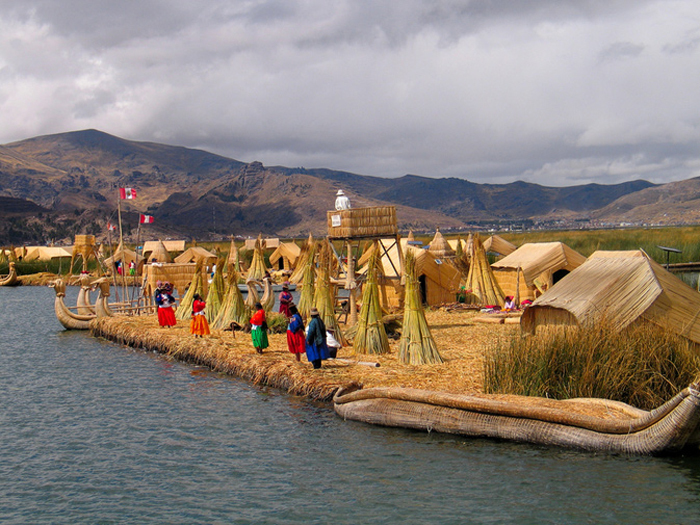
pixel 111 227
pixel 127 193
pixel 146 219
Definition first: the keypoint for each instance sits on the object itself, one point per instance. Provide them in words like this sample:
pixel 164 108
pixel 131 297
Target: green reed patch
pixel 643 366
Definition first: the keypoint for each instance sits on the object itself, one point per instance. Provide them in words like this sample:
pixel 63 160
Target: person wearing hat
pixel 316 347
pixel 258 330
pixel 165 302
pixel 341 201
pixel 285 300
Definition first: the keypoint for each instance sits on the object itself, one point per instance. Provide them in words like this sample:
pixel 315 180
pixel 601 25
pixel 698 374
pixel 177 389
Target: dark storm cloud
pixel 555 92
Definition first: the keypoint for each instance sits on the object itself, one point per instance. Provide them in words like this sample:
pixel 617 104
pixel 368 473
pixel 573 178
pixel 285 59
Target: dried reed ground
pixel 461 343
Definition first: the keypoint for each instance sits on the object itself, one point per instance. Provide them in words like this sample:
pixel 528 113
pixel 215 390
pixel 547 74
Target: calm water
pixel 92 432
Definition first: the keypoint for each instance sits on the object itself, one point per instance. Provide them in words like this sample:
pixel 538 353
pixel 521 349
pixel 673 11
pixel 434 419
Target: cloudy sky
pixel 557 92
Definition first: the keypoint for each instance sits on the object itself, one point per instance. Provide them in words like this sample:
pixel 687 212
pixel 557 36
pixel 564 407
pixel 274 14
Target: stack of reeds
pixel 481 285
pixel 461 260
pixel 217 292
pixel 257 269
pixel 370 336
pixel 308 250
pixel 233 259
pixel 362 222
pixel 308 283
pixel 233 308
pixel 324 294
pixel 253 295
pixel 184 309
pixel 417 346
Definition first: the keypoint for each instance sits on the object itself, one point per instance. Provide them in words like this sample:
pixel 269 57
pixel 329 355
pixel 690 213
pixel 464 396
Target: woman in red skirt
pixel 165 302
pixel 296 339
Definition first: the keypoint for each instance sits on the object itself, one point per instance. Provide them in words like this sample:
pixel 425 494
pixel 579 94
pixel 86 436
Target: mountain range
pixel 55 186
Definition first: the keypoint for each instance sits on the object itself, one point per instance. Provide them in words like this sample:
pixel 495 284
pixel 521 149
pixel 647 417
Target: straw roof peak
pixel 440 247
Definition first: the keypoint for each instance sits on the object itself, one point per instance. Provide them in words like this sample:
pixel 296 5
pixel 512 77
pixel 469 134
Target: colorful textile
pixel 259 338
pixel 296 339
pixel 285 302
pixel 199 325
pixel 258 318
pixel 316 347
pixel 166 316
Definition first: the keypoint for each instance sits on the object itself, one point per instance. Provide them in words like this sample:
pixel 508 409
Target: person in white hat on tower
pixel 341 201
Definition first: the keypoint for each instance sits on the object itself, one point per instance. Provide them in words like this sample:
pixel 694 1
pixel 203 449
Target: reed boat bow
pixel 673 426
pixel 68 319
pixel 11 279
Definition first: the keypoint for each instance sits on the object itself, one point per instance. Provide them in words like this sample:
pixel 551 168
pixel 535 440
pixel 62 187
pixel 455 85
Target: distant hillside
pixel 191 192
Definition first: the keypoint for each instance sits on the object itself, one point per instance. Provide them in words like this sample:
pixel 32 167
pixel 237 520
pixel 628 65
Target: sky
pixel 555 92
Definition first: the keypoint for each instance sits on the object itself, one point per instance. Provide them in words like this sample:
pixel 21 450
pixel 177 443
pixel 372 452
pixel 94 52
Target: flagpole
pixel 111 254
pixel 136 251
pixel 121 245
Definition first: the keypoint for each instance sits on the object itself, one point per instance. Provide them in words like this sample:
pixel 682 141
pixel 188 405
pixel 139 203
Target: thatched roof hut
pixel 440 248
pixel 125 255
pixel 156 252
pixel 46 253
pixel 534 267
pixel 438 279
pixel 180 275
pixel 622 288
pixel 497 244
pixel 194 254
pixel 285 256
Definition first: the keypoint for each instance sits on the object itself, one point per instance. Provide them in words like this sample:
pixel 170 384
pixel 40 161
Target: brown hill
pixel 192 192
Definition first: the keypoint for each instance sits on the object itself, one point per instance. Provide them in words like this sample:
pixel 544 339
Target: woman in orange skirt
pixel 199 325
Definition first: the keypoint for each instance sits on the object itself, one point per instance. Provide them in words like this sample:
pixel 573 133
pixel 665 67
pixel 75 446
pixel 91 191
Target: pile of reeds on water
pixel 257 269
pixel 417 346
pixel 307 251
pixel 642 365
pixel 233 308
pixel 324 294
pixel 308 283
pixel 481 285
pixel 370 335
pixel 184 309
pixel 217 291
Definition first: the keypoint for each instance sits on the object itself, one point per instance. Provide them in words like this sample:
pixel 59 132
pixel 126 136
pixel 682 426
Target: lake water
pixel 92 432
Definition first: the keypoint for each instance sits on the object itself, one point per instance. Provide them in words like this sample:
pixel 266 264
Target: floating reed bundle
pixel 233 308
pixel 308 285
pixel 257 267
pixel 481 285
pixel 184 309
pixel 324 295
pixel 417 346
pixel 217 291
pixel 370 337
pixel 307 251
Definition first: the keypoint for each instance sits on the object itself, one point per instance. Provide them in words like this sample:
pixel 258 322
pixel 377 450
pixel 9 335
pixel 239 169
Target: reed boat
pixel 588 424
pixel 69 320
pixel 11 279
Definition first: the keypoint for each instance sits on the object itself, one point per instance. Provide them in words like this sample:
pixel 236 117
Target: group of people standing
pixel 314 340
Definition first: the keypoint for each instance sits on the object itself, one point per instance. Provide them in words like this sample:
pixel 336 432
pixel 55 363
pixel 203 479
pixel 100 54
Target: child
pixel 259 329
pixel 199 325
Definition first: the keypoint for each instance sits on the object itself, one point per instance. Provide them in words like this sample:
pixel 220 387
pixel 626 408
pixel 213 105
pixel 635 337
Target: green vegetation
pixel 643 366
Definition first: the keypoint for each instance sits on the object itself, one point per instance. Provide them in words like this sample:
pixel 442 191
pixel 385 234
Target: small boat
pixel 69 320
pixel 11 279
pixel 616 427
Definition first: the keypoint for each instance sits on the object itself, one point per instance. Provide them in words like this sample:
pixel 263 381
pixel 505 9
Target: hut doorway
pixel 559 275
pixel 423 285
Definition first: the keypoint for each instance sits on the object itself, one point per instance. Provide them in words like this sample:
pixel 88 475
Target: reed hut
pixel 440 248
pixel 438 279
pixel 123 254
pixel 622 288
pixel 269 243
pixel 498 245
pixel 285 256
pixel 534 267
pixel 179 275
pixel 196 254
pixel 46 253
pixel 157 252
pixel 170 246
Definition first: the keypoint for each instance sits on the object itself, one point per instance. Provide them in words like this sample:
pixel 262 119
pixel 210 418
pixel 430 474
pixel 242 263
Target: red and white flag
pixel 127 193
pixel 146 219
pixel 111 227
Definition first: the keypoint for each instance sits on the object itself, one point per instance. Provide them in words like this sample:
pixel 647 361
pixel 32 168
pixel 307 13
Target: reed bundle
pixel 370 336
pixel 461 260
pixel 233 258
pixel 184 309
pixel 324 294
pixel 233 308
pixel 417 346
pixel 307 250
pixel 253 296
pixel 217 291
pixel 257 269
pixel 481 285
pixel 308 283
